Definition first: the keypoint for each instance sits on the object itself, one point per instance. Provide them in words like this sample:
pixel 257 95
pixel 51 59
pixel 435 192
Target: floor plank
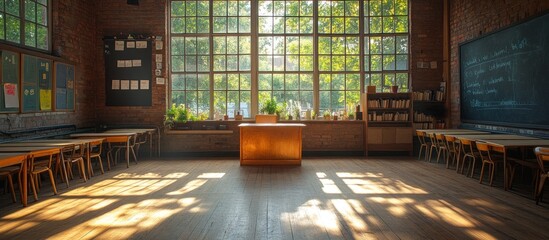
pixel 325 198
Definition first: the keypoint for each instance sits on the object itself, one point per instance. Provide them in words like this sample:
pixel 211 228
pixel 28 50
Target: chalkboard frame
pixel 70 103
pixel 17 81
pixel 463 117
pixel 121 96
pixel 34 79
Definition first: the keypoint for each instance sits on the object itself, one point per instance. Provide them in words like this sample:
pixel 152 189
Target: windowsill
pixel 198 132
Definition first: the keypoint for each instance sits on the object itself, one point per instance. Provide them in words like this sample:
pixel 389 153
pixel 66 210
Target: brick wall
pixel 115 18
pixel 73 33
pixel 470 19
pixel 426 43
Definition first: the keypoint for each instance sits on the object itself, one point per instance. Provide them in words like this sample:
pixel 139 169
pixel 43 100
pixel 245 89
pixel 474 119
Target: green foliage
pixel 270 106
pixel 179 114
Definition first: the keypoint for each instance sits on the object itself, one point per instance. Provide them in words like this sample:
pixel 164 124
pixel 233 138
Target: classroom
pixel 274 119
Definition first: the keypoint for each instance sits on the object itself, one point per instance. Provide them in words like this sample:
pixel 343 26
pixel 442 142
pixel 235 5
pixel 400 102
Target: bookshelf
pixel 429 109
pixel 388 122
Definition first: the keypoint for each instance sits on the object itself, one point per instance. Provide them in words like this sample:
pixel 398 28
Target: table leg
pixel 24 188
pixel 90 169
pixel 150 144
pixel 505 171
pixel 128 152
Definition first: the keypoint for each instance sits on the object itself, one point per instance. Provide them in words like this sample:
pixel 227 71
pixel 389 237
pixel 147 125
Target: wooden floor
pixel 332 198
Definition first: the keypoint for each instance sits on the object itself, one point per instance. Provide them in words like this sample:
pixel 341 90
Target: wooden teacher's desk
pixel 270 143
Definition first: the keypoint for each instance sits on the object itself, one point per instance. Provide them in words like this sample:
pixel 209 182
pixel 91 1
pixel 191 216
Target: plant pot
pixel 394 89
pixel 182 126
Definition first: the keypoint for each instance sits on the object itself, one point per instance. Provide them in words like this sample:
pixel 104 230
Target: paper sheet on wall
pixel 136 63
pixel 11 96
pixel 158 57
pixel 130 44
pixel 134 85
pixel 125 84
pixel 141 44
pixel 120 63
pixel 115 84
pixel 45 99
pixel 144 84
pixel 128 63
pixel 119 45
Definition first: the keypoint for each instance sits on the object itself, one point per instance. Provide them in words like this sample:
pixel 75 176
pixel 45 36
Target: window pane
pixel 30 10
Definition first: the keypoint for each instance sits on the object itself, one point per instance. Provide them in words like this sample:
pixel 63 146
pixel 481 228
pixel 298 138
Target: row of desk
pixel 502 142
pixel 20 153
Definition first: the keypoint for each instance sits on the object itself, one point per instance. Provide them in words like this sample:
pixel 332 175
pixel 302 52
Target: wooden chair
pixel 40 162
pixel 96 148
pixel 117 144
pixel 434 145
pixel 72 155
pixel 542 156
pixel 452 147
pixel 8 172
pixel 423 144
pixel 468 153
pixel 488 158
pixel 442 147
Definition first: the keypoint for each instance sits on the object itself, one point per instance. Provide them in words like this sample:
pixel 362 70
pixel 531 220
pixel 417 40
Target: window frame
pixel 23 23
pixel 398 75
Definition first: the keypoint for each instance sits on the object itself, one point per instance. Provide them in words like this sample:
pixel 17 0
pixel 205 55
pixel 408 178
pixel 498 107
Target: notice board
pixel 64 86
pixel 9 94
pixel 505 76
pixel 128 72
pixel 36 89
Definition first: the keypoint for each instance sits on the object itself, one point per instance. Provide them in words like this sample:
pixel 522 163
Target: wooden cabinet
pixel 388 122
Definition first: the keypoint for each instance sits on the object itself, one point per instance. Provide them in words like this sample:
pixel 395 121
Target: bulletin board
pixel 9 94
pixel 128 72
pixel 64 87
pixel 36 90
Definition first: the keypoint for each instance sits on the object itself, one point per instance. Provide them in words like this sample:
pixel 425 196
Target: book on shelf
pixel 429 125
pixel 388 116
pixel 428 95
pixel 389 103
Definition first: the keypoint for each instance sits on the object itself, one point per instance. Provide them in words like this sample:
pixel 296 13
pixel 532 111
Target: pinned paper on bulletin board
pixel 45 99
pixel 11 98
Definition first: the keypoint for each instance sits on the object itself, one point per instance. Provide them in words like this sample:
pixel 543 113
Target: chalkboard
pixel 36 91
pixel 9 89
pixel 64 86
pixel 505 76
pixel 128 72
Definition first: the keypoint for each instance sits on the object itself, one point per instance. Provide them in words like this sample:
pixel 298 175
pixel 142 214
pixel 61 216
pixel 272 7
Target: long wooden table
pixel 506 144
pixel 81 142
pixel 270 143
pixel 28 152
pixel 113 137
pixel 149 131
pixel 9 159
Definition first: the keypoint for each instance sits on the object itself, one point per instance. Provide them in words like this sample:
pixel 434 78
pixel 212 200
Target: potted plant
pixel 269 107
pixel 177 116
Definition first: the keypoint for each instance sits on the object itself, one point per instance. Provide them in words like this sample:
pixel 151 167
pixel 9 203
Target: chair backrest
pixel 542 155
pixel 467 146
pixel 484 150
pixel 421 137
pixel 440 140
pixel 96 147
pixel 450 142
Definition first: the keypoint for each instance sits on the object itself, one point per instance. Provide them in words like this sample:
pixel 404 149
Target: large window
pixel 229 56
pixel 25 22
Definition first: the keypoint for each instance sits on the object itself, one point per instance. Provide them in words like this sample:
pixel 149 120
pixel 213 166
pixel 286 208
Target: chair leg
pixel 101 164
pixel 10 182
pixel 420 150
pixel 482 172
pixel 33 186
pixel 542 179
pixel 52 181
pixel 82 170
pixel 492 171
pixel 473 166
